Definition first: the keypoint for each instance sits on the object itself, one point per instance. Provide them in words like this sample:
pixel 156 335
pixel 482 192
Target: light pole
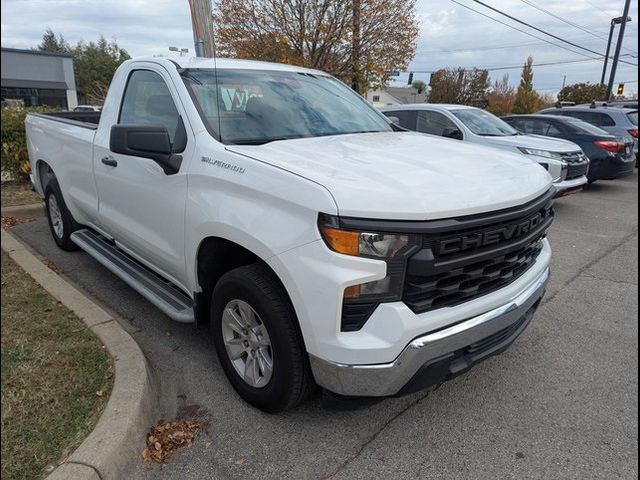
pixel 616 55
pixel 614 22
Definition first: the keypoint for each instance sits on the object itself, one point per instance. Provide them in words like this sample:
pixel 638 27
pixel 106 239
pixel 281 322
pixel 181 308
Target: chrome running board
pixel 171 301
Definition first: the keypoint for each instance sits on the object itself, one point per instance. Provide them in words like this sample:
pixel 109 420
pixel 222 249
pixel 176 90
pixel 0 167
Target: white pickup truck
pixel 320 244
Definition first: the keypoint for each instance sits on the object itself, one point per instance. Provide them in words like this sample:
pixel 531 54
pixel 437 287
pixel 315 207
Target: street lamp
pixel 614 22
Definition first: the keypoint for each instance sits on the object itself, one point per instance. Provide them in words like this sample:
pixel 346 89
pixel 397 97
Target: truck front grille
pixel 475 256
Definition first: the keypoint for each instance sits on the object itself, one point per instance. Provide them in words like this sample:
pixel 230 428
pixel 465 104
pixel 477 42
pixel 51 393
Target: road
pixel 562 402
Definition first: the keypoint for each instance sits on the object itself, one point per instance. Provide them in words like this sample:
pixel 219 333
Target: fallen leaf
pixel 207 445
pixel 239 461
pixel 99 393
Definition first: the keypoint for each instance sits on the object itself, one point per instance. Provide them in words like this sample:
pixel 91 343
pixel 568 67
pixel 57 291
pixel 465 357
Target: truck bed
pixel 80 119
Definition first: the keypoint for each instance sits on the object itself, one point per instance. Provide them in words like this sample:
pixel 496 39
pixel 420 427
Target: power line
pixel 492 68
pixel 517 29
pixel 487 47
pixel 568 22
pixel 511 17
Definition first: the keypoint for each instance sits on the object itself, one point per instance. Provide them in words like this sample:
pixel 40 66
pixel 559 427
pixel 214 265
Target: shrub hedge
pixel 15 160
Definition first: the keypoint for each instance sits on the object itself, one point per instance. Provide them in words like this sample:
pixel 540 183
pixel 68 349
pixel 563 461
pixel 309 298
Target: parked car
pixel 564 160
pixel 621 122
pixel 609 156
pixel 275 204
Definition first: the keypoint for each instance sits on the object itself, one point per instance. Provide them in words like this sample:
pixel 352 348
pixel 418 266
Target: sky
pixel 450 35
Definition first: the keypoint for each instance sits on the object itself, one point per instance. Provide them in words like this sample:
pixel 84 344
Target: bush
pixel 15 160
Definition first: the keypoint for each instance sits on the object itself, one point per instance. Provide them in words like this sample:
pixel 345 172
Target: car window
pixel 581 127
pixel 147 100
pixel 253 107
pixel 434 123
pixel 549 129
pixel 633 117
pixel 594 118
pixel 484 123
pixel 407 118
pixel 517 123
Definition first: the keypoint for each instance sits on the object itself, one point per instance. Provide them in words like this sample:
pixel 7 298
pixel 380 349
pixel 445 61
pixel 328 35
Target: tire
pixel 290 380
pixel 61 223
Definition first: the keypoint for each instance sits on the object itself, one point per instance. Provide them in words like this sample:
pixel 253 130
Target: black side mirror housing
pixel 147 141
pixel 452 133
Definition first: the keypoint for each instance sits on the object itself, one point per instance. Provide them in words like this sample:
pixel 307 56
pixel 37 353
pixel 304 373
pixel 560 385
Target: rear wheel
pixel 257 339
pixel 61 223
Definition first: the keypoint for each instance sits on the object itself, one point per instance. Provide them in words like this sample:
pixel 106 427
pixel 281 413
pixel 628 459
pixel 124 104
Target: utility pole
pixel 355 46
pixel 616 55
pixel 614 22
pixel 564 81
pixel 202 22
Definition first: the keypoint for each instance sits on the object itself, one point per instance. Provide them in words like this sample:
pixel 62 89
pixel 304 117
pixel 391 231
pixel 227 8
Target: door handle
pixel 109 160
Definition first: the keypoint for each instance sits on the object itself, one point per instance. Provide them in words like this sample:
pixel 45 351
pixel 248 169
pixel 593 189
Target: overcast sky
pixel 450 34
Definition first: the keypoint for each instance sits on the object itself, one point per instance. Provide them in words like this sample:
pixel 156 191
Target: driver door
pixel 141 206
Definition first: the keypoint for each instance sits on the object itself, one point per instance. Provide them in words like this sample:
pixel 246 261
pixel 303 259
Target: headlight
pixel 392 248
pixel 540 153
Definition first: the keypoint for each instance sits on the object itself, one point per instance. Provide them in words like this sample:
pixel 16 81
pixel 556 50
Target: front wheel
pixel 61 223
pixel 257 339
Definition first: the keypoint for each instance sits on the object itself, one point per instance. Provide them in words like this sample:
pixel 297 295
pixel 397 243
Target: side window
pixel 551 130
pixel 517 123
pixel 147 100
pixel 433 123
pixel 526 125
pixel 602 120
pixel 407 118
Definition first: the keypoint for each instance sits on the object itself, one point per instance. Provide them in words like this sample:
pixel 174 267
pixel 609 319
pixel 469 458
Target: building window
pixel 376 98
pixel 36 96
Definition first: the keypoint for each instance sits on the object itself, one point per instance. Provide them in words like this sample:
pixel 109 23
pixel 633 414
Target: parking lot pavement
pixel 560 403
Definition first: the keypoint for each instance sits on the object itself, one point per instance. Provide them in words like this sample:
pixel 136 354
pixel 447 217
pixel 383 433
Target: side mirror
pixel 452 133
pixel 394 120
pixel 147 141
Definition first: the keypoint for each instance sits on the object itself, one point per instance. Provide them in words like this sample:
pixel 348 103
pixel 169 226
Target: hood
pixel 533 141
pixel 408 176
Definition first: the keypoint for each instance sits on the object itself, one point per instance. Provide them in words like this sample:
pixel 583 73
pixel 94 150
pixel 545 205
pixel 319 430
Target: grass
pixel 18 193
pixel 56 377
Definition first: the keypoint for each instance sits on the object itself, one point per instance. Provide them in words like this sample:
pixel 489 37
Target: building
pixel 32 78
pixel 395 96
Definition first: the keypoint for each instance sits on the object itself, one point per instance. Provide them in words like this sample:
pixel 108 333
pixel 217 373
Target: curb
pixel 24 211
pixel 116 440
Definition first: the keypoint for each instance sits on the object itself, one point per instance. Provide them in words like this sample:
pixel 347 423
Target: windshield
pixel 580 126
pixel 484 123
pixel 633 117
pixel 258 106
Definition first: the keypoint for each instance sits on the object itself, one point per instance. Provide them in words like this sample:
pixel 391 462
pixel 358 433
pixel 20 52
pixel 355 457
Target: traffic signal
pixel 410 78
pixel 620 90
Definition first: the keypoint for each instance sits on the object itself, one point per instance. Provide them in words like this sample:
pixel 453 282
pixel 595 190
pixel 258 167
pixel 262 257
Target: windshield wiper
pixel 258 141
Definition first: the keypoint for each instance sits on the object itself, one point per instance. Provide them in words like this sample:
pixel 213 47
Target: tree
pixel 582 92
pixel 52 43
pixel 502 96
pixel 527 99
pixel 419 85
pixel 359 41
pixel 95 63
pixel 457 85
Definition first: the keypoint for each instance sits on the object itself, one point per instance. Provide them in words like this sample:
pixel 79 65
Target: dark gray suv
pixel 621 122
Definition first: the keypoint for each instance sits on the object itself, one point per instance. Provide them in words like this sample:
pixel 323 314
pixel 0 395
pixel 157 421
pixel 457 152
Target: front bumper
pixel 565 186
pixel 436 356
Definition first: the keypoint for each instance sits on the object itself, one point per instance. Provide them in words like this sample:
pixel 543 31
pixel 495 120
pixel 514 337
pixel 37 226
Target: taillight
pixel 634 132
pixel 610 145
